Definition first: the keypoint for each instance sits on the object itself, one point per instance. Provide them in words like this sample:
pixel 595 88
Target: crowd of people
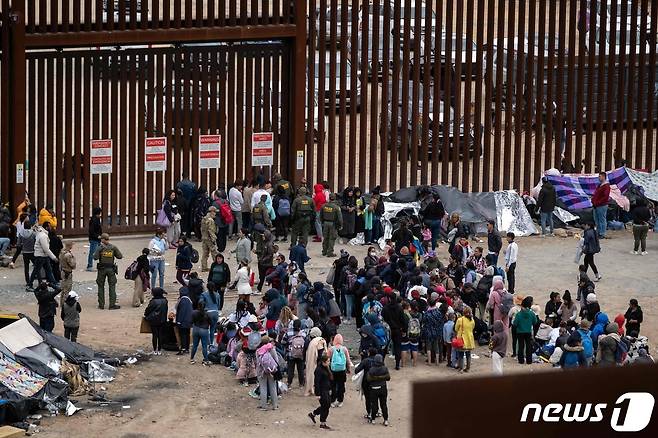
pixel 433 291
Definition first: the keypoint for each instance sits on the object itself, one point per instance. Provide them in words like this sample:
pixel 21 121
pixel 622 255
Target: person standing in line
pixel 187 189
pixel 26 241
pixel 340 365
pixel 236 202
pixel 56 247
pixel 281 204
pixel 260 214
pixel 42 257
pixel 301 210
pixel 220 276
pixel 67 265
pixel 319 200
pixel 299 255
pixel 71 316
pixel 171 210
pixel 184 310
pixel 377 377
pixel 432 217
pixel 295 342
pixel 600 200
pixel 47 306
pixel 524 322
pixel 641 216
pixel 265 258
pixel 494 242
pixel 591 246
pixel 464 330
pixel 266 368
pixel 142 278
pixel 200 333
pixel 322 389
pixel 243 247
pixel 95 232
pixel 633 318
pixel 183 260
pixel 498 347
pixel 332 221
pixel 247 193
pixel 208 237
pixel 223 224
pixel 546 204
pixel 156 314
pixel 106 253
pixel 157 248
pixel 511 256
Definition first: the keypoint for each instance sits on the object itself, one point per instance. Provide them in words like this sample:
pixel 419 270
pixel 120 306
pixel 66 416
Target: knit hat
pixel 585 324
pixel 388 290
pixel 315 332
pixel 344 254
pixel 611 328
pixel 379 359
pixel 591 298
pixel 73 294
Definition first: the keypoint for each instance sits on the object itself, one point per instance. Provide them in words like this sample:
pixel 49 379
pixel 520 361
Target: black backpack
pixel 483 288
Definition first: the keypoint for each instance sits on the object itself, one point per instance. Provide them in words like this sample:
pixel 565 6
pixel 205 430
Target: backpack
pixel 296 347
pixel 338 359
pixel 478 277
pixel 284 208
pixel 414 328
pixel 483 288
pixel 131 271
pixel 226 213
pixel 621 352
pixel 506 303
pixel 268 363
pixel 194 258
pixel 350 277
pixel 499 271
pixel 380 334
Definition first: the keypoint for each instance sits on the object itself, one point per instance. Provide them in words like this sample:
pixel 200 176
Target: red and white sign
pixel 155 154
pixel 209 149
pixel 262 149
pixel 101 156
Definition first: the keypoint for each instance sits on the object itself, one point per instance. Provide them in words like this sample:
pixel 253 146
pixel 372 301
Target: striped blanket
pixel 576 191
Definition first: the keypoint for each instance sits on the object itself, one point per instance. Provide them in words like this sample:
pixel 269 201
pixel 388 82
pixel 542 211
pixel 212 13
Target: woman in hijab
pixel 495 299
pixel 348 209
pixel 315 349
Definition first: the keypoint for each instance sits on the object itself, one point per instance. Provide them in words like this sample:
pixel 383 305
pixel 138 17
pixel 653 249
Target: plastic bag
pixel 357 380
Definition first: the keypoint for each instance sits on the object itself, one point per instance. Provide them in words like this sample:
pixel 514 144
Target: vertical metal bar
pixel 221 13
pixel 436 63
pixel 395 155
pixel 641 83
pixel 562 129
pixel 313 132
pixel 78 144
pixel 468 102
pixel 86 130
pixel 577 112
pixel 276 11
pixel 651 106
pixel 67 104
pixel 105 116
pixel 86 20
pixel 321 81
pixel 287 167
pixel 501 44
pixel 49 189
pixel 95 131
pixel 177 14
pixel 601 107
pixel 240 136
pixel 216 111
pixel 43 20
pixel 188 106
pixel 550 97
pixel 342 123
pixel 148 63
pixel 198 105
pixel 32 124
pixel 134 146
pixel 38 165
pixel 357 38
pixel 619 154
pixel 385 142
pixel 199 13
pixel 520 109
pixel 98 25
pixel 54 15
pixel 478 133
pixel 248 106
pixel 530 173
pixel 514 56
pixel 145 195
pixel 232 12
pixel 427 90
pixel 65 15
pixel 231 94
pixel 121 142
pixel 633 113
pixel 31 15
pixel 405 23
pixel 456 144
pixel 541 105
pixel 112 188
pixel 58 147
pixel 188 19
pixel 166 15
pixel 592 87
pixel 489 93
pixel 416 17
pixel 257 108
pixel 244 14
pixel 612 69
pixel 333 48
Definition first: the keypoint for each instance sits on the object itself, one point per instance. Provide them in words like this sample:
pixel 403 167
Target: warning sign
pixel 209 148
pixel 155 154
pixel 262 149
pixel 101 156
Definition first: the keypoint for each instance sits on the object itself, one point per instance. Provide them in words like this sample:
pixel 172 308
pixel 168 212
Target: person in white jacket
pixel 243 281
pixel 42 257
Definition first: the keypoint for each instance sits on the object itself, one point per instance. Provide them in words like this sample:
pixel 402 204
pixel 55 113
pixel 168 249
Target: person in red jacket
pixel 319 199
pixel 600 201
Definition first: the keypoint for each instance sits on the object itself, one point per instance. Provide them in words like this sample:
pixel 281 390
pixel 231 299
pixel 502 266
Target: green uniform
pixel 332 222
pixel 105 254
pixel 260 215
pixel 301 211
pixel 283 187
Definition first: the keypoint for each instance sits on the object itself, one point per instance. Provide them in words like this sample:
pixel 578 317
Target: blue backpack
pixel 338 359
pixel 284 208
pixel 380 334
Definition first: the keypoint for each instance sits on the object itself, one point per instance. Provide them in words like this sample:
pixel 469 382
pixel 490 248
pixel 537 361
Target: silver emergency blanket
pixel 648 181
pixel 512 214
pixel 564 215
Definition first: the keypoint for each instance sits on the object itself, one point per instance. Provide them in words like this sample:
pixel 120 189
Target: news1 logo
pixel 630 413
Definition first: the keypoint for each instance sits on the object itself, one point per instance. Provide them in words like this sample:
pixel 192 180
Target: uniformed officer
pixel 302 210
pixel 208 237
pixel 332 222
pixel 260 214
pixel 105 254
pixel 281 186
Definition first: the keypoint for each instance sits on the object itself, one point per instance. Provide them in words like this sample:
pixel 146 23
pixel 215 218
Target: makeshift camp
pixel 506 207
pixel 33 364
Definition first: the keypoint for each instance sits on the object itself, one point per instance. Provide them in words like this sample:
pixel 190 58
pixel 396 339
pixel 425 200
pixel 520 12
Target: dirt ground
pixel 169 397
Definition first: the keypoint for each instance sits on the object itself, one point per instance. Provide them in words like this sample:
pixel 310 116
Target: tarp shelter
pixel 505 207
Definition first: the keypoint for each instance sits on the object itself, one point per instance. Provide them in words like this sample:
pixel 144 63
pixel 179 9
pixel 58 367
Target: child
pixel 47 306
pixel 71 316
pixel 498 347
pixel 377 377
pixel 511 255
pixel 296 342
pixel 448 336
pixel 67 265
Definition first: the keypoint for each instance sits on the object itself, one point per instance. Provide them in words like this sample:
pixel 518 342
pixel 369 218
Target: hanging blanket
pixel 576 191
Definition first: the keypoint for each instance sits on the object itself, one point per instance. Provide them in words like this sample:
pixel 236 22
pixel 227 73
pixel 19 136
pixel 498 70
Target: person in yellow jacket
pixel 464 330
pixel 47 214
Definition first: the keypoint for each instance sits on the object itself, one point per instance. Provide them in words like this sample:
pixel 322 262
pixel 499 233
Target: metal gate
pixel 126 95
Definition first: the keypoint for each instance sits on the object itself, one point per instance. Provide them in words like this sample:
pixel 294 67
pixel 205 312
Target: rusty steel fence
pixel 479 94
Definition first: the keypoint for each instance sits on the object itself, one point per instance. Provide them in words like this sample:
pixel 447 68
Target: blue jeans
pixel 157 267
pixel 546 219
pixel 4 245
pixel 199 334
pixel 214 318
pixel 39 264
pixel 349 306
pixel 601 219
pixel 494 258
pixel 93 244
pixel 435 228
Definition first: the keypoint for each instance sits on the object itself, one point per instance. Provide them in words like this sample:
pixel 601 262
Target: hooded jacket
pixel 602 321
pixel 184 309
pixel 607 347
pixel 586 340
pixel 156 311
pixel 71 312
pixel 378 374
pixel 274 304
pixel 573 353
pixel 393 315
pixel 195 289
pixel 319 198
pixel 499 339
pixel 42 244
pixel 46 300
pixel 547 198
pixel 46 216
pixel 299 255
